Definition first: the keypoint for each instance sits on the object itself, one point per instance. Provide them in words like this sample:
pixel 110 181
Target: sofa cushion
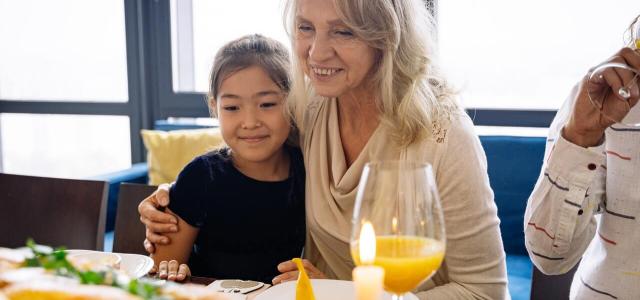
pixel 513 165
pixel 519 269
pixel 168 152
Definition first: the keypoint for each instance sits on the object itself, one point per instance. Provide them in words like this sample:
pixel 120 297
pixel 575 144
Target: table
pixel 208 280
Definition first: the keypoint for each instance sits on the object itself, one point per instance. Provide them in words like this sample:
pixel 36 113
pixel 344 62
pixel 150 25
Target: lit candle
pixel 368 278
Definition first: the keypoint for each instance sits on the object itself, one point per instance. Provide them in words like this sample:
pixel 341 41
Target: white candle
pixel 368 282
pixel 368 279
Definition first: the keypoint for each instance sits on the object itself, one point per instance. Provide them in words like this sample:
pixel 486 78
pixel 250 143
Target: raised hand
pixel 587 123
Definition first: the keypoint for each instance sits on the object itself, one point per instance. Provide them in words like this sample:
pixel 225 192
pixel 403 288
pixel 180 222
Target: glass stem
pixel 397 297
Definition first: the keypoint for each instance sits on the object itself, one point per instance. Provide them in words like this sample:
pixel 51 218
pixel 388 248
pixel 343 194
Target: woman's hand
pixel 156 221
pixel 172 271
pixel 586 125
pixel 289 271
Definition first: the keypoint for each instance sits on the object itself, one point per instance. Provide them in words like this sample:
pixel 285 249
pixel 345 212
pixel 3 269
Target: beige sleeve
pixel 475 258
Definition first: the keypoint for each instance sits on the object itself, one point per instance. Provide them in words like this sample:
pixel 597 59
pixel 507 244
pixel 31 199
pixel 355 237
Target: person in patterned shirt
pixel 586 203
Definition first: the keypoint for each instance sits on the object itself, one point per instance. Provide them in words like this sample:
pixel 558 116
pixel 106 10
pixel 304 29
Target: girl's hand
pixel 172 271
pixel 586 125
pixel 289 271
pixel 156 221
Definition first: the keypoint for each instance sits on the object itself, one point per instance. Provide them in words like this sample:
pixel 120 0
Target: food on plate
pixel 10 259
pixel 53 291
pixel 50 275
pixel 91 260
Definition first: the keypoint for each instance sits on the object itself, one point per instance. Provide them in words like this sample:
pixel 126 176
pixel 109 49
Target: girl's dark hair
pixel 247 51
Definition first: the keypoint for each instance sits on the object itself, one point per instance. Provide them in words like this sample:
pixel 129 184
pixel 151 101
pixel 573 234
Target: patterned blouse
pixel 586 205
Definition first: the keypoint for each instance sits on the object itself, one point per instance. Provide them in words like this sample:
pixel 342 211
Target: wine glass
pixel 398 202
pixel 614 104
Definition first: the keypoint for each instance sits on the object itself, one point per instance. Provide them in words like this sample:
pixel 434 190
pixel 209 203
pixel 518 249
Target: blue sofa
pixel 513 165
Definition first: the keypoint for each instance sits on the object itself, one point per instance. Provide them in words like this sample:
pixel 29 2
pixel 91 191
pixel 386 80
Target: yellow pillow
pixel 169 151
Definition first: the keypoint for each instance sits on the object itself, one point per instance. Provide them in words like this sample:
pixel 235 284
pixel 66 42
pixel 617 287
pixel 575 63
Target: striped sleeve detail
pixel 625 129
pixel 573 203
pixel 541 229
pixel 596 290
pixel 546 257
pixel 616 154
pixel 555 183
pixel 606 239
pixel 613 213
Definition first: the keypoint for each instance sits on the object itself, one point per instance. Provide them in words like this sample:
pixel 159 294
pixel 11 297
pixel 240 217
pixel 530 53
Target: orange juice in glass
pixel 400 201
pixel 406 260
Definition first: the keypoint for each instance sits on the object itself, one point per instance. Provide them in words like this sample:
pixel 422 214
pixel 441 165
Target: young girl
pixel 240 209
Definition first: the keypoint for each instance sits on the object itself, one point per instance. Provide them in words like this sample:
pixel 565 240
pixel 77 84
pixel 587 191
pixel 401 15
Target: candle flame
pixel 367 244
pixel 394 225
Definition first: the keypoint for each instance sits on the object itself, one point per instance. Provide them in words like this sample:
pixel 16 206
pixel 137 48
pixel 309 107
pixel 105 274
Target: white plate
pixel 134 265
pixel 324 289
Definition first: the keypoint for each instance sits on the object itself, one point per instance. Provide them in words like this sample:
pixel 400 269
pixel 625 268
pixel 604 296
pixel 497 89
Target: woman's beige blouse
pixel 474 266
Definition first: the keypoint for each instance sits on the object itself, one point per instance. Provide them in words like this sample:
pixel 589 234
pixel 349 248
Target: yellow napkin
pixel 304 291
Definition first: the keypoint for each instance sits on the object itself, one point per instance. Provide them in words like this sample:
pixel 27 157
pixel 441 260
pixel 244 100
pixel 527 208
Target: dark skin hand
pixel 587 124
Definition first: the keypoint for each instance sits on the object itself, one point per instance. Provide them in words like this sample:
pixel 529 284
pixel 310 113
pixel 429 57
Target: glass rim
pixel 605 65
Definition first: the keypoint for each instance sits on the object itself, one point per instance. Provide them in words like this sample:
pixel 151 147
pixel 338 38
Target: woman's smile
pixel 324 71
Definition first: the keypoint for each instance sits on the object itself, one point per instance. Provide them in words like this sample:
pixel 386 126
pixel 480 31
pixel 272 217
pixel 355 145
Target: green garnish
pixel 57 262
pixel 143 289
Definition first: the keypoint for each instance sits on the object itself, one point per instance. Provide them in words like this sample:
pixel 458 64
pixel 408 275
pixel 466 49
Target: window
pixel 68 146
pixel 527 54
pixel 201 27
pixel 71 50
pixel 66 107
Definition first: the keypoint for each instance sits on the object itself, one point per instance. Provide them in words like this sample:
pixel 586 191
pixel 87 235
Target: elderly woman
pixel 366 87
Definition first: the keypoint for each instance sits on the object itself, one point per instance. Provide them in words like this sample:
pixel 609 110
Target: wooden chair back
pixel 52 211
pixel 129 231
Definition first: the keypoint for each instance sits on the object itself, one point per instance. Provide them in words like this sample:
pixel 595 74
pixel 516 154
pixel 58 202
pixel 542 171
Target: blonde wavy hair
pixel 413 96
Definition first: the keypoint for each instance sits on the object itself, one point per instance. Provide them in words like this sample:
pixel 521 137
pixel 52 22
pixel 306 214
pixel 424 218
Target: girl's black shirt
pixel 246 226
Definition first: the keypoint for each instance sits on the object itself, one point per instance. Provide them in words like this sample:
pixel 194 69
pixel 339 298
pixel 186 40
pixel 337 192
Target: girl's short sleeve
pixel 189 193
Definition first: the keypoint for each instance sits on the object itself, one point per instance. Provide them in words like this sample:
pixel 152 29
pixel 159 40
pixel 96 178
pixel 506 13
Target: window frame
pixel 170 103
